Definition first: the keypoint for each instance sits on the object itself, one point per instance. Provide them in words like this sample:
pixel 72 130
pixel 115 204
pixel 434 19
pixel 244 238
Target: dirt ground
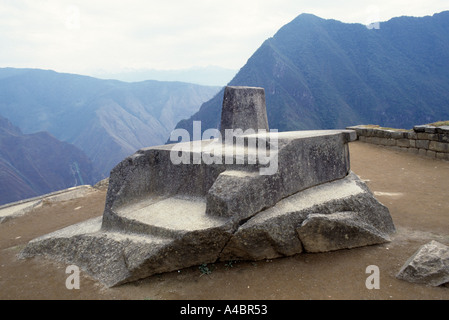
pixel 414 188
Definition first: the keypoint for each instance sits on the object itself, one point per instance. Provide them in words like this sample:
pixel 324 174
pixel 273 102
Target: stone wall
pixel 424 140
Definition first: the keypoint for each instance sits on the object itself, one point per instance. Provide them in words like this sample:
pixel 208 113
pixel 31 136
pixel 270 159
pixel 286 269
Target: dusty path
pixel 412 187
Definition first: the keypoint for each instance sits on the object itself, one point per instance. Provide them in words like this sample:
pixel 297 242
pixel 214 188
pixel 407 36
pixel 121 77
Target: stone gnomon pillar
pixel 243 108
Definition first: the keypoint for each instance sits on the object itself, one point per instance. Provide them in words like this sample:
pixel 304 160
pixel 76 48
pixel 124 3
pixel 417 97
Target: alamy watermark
pixel 238 146
pixel 373 280
pixel 73 280
pixel 372 17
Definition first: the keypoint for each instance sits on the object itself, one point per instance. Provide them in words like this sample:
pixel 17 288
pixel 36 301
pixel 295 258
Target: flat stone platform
pixel 169 217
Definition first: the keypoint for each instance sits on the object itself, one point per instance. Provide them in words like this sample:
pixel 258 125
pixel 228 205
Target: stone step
pixel 168 217
pixel 110 256
pixel 92 228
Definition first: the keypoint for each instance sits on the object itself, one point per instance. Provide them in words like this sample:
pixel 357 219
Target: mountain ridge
pixel 107 119
pixel 209 75
pixel 38 163
pixel 326 74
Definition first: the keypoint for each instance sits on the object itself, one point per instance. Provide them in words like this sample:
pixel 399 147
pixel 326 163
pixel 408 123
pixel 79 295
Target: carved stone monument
pixel 258 195
pixel 243 108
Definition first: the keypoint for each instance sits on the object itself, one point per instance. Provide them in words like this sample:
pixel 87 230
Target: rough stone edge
pixel 378 223
pixel 410 272
pixel 113 261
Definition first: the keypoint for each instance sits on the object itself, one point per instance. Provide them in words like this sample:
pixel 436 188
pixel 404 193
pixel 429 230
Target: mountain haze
pixel 325 74
pixel 38 163
pixel 209 76
pixel 107 119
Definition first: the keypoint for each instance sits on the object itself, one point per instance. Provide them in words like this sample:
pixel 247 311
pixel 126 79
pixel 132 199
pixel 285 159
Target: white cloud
pixel 82 36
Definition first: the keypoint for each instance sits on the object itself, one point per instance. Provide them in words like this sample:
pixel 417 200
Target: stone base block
pixel 170 234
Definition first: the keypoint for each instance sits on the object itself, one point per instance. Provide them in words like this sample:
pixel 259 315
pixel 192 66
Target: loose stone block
pixel 429 265
pixel 337 231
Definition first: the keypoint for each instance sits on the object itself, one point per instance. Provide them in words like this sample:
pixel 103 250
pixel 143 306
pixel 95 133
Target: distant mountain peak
pixel 326 74
pixel 7 127
pixel 309 16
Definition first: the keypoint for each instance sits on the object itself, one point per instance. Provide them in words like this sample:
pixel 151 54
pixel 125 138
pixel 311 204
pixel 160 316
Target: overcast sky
pixel 87 36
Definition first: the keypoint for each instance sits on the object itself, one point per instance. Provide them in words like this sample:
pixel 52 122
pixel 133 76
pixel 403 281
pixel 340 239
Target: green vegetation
pixel 373 126
pixel 205 269
pixel 229 264
pixel 439 123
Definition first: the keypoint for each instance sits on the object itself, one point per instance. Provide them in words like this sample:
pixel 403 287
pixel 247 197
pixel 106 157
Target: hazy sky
pixel 87 36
